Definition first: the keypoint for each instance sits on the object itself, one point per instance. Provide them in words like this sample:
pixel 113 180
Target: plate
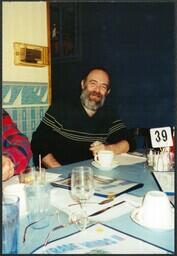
pixel 97 165
pixel 136 218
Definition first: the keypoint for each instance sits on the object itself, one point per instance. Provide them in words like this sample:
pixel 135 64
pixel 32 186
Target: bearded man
pixel 72 133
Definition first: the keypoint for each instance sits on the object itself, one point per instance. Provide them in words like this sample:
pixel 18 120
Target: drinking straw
pixel 40 165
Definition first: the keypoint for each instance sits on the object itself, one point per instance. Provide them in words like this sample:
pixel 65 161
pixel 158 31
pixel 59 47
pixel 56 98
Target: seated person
pixel 70 133
pixel 16 149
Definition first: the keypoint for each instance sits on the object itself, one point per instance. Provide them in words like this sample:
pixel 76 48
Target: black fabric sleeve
pixel 42 140
pixel 118 131
pixel 123 134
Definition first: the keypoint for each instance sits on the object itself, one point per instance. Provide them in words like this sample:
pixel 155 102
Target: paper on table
pixel 166 180
pixel 52 176
pixel 103 188
pixel 13 180
pixel 127 159
pixel 61 198
pixel 99 239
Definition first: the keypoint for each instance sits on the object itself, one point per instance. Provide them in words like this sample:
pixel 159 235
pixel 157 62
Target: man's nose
pixel 97 88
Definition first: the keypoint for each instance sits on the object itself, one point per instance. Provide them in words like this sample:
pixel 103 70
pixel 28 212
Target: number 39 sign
pixel 161 137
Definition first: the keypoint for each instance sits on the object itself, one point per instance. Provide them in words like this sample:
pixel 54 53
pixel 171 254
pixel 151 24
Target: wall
pixel 135 42
pixel 23 22
pixel 24 88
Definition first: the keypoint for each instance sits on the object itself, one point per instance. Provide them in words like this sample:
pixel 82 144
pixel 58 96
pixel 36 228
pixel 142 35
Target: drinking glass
pixel 33 175
pixel 38 202
pixel 82 188
pixel 10 221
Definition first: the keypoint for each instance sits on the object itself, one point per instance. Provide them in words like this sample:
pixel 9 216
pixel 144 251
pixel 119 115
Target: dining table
pixel 129 167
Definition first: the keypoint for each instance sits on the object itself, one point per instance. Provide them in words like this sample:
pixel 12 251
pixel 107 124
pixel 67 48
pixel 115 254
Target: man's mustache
pixel 95 94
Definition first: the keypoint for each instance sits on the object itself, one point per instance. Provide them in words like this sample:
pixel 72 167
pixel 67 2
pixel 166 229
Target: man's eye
pixel 104 87
pixel 93 83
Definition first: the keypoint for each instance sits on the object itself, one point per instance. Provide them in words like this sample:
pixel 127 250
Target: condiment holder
pixel 159 161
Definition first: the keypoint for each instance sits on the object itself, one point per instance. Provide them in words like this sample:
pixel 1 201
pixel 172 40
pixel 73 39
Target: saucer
pixel 136 218
pixel 97 165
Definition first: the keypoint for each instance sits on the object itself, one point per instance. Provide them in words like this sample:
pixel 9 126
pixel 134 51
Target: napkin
pixel 62 199
pixel 127 159
pixel 50 176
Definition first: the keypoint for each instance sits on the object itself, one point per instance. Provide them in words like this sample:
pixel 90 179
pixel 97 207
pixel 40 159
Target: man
pixel 74 133
pixel 16 149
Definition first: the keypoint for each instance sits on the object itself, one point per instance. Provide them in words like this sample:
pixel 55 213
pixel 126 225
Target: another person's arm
pixel 7 168
pixel 16 150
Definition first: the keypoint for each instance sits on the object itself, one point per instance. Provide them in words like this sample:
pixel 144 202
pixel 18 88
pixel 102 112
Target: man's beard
pixel 91 104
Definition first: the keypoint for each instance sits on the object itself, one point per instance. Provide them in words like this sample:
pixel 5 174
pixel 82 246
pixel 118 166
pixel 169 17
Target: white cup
pixel 104 158
pixel 19 190
pixel 156 210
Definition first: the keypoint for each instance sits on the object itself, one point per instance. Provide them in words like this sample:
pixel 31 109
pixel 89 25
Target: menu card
pixel 99 239
pixel 166 181
pixel 104 186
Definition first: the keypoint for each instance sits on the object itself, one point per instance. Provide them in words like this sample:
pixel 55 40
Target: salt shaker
pixel 150 158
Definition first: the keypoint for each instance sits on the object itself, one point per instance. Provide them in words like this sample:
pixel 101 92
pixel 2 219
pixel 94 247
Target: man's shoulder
pixel 62 109
pixel 109 112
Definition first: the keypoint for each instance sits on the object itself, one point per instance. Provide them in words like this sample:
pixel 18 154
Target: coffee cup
pixel 156 211
pixel 104 158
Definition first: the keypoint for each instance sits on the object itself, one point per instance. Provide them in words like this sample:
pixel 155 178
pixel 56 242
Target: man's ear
pixel 82 84
pixel 108 91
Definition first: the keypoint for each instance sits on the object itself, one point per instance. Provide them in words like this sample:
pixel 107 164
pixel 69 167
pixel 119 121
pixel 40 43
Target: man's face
pixel 95 89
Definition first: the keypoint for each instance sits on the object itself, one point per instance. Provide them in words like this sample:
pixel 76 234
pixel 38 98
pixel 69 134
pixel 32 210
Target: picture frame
pixel 30 55
pixel 65 31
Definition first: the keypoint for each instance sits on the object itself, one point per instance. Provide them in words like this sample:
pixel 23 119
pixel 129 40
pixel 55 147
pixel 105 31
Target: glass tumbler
pixel 10 223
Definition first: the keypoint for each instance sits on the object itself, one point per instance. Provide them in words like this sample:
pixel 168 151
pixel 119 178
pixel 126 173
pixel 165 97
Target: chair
pixel 141 139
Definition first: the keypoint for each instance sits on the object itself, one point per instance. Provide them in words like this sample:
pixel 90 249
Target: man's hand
pixel 118 148
pixel 7 168
pixel 97 146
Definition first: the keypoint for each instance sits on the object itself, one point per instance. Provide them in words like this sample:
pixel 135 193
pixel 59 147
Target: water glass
pixel 82 184
pixel 38 203
pixel 33 174
pixel 82 188
pixel 18 190
pixel 10 224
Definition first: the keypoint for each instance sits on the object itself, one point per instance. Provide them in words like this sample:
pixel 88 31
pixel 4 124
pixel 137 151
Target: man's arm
pixel 44 141
pixel 118 147
pixel 50 162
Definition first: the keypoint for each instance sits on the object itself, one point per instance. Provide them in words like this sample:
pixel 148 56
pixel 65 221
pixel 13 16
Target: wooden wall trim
pixel 49 47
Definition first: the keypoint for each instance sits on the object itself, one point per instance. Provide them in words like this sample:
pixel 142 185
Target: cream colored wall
pixel 23 22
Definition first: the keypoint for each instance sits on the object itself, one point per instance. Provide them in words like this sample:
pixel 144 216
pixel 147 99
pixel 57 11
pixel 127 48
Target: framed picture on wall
pixel 65 31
